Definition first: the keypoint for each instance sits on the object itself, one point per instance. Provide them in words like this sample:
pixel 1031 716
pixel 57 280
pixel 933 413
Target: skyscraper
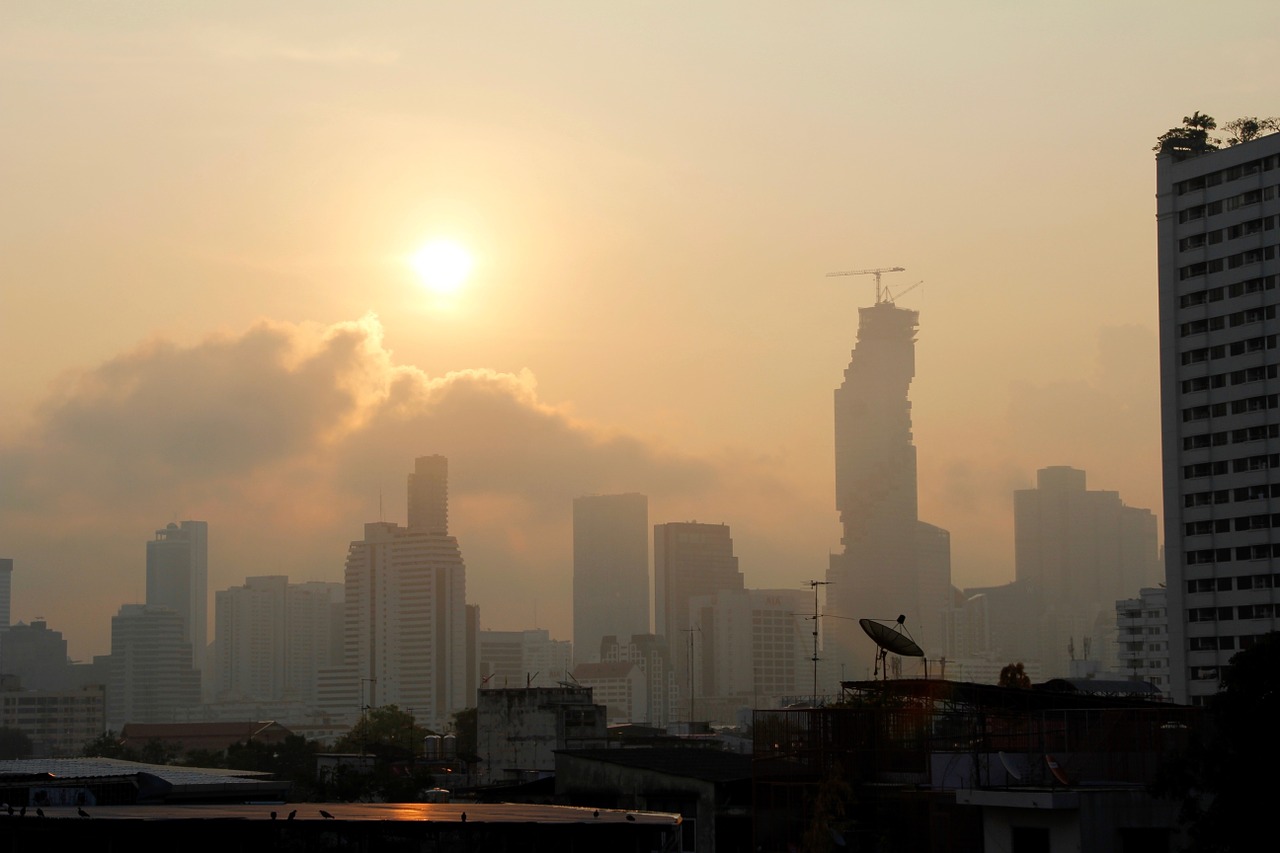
pixel 1076 552
pixel 878 573
pixel 177 577
pixel 1217 217
pixel 150 676
pixel 689 559
pixel 6 587
pixel 610 570
pixel 406 628
pixel 429 495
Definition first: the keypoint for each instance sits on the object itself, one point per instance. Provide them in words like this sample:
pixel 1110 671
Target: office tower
pixel 271 638
pixel 877 574
pixel 151 679
pixel 6 588
pixel 36 655
pixel 689 559
pixel 1217 215
pixel 610 570
pixel 429 495
pixel 1076 551
pixel 177 577
pixel 406 616
pixel 1081 549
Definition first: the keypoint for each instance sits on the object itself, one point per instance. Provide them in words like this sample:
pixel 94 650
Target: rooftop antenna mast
pixel 881 293
pixel 815 585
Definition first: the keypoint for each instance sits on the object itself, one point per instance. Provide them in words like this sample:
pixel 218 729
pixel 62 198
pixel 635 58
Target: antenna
pixel 689 663
pixel 881 294
pixel 813 700
pixel 896 640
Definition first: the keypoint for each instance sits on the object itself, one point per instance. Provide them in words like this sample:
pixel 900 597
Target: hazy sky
pixel 205 310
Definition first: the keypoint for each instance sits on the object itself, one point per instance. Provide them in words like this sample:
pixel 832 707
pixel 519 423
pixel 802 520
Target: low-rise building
pixel 519 731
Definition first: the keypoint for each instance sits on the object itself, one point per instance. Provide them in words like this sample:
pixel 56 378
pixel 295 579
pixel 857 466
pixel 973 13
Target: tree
pixel 386 732
pixel 1217 775
pixel 108 745
pixel 1015 675
pixel 464 726
pixel 14 743
pixel 1249 128
pixel 1194 133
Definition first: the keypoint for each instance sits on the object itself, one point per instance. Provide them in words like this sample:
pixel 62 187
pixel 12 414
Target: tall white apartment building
pixel 1217 218
pixel 406 617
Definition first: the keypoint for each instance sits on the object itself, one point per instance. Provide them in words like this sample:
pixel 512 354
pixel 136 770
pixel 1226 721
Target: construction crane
pixel 880 293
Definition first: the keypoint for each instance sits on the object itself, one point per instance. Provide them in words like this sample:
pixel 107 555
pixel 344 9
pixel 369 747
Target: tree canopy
pixel 1194 132
pixel 1015 675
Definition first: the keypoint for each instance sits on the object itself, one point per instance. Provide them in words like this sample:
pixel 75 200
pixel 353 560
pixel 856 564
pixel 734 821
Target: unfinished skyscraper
pixel 879 574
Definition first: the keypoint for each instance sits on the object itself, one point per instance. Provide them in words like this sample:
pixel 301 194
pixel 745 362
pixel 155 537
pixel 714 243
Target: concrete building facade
pixel 1217 216
pixel 610 570
pixel 519 731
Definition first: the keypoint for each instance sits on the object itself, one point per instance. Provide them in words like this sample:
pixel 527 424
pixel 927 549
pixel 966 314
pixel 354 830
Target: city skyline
pixel 207 294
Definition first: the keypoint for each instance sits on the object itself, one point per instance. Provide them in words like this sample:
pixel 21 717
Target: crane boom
pixel 877 272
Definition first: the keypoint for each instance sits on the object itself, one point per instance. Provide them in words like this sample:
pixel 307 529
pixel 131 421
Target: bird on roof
pixel 39 812
pixel 22 812
pixel 81 812
pixel 596 813
pixel 324 814
pixel 292 814
pixel 273 815
pixel 631 818
pixel 464 817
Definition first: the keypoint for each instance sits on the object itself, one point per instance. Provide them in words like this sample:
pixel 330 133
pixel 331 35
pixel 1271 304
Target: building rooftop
pixel 707 765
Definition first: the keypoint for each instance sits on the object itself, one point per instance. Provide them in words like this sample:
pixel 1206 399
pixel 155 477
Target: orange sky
pixel 206 310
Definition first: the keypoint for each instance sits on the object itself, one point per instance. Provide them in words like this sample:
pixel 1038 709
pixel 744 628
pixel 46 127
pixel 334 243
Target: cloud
pixel 286 438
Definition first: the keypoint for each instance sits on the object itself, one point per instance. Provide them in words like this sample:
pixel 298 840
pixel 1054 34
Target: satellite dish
pixel 894 640
pixel 891 640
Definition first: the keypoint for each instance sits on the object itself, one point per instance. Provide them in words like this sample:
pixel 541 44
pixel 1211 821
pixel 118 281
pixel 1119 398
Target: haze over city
pixel 209 308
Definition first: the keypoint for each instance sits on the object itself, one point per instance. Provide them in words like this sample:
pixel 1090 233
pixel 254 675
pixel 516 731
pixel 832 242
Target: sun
pixel 443 266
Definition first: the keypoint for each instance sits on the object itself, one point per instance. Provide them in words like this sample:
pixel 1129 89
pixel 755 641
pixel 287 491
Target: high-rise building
pixel 1076 552
pixel 1217 215
pixel 650 653
pixel 36 655
pixel 272 637
pixel 878 573
pixel 151 678
pixel 610 570
pixel 6 587
pixel 689 560
pixel 178 578
pixel 429 495
pixel 756 644
pixel 406 616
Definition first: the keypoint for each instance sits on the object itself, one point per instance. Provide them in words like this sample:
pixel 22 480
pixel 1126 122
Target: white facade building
pixel 406 615
pixel 1217 219
pixel 1142 638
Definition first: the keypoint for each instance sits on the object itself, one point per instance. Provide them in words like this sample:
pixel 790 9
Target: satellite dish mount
pixel 890 638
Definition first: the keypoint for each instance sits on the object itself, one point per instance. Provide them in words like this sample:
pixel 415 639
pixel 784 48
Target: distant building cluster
pixel 673 635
